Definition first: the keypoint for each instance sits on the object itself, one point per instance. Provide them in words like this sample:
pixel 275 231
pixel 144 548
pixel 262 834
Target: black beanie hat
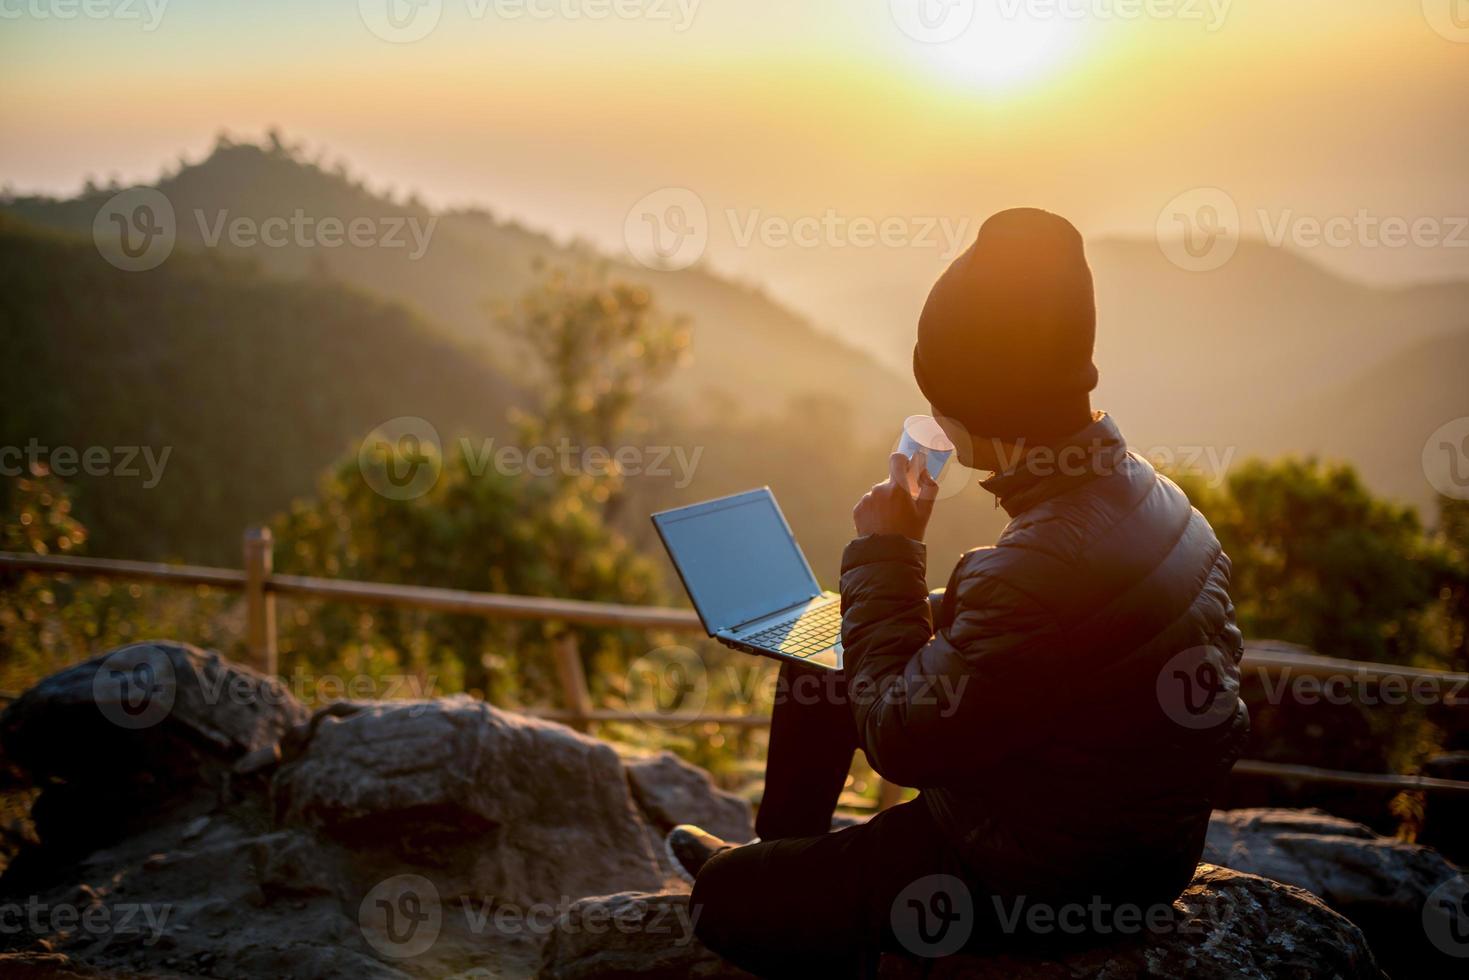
pixel 1005 340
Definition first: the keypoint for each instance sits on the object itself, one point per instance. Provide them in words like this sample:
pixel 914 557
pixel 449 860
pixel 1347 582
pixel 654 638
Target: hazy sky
pixel 553 112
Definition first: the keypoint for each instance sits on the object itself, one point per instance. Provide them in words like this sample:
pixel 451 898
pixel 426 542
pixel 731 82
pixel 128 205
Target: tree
pixel 50 620
pixel 1451 578
pixel 475 529
pixel 593 345
pixel 1319 561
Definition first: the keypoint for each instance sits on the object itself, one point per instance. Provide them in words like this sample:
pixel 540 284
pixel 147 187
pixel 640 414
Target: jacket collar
pixel 1044 472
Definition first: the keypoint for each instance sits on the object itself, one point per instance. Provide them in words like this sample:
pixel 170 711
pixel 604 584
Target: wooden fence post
pixel 259 602
pixel 573 680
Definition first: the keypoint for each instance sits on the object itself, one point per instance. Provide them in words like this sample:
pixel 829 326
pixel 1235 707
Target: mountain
pixel 1223 357
pixel 219 393
pixel 267 363
pixel 1381 418
pixel 239 387
pixel 1243 360
pixel 1272 354
pixel 746 348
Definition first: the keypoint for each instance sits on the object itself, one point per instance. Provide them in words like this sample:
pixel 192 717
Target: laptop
pixel 749 580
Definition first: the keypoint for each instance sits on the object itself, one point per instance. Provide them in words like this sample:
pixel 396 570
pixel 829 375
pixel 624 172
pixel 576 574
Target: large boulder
pixel 672 792
pixel 1381 884
pixel 394 839
pixel 1225 926
pixel 194 819
pixel 631 935
pixel 111 713
pixel 496 804
pixel 146 726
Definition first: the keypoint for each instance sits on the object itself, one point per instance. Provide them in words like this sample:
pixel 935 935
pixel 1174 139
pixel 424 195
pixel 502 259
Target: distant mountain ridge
pixel 1236 361
pixel 1381 418
pixel 1269 354
pixel 1247 357
pixel 746 347
pixel 246 386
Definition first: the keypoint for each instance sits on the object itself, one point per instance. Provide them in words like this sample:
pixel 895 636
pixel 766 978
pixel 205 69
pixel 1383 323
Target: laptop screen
pixel 737 558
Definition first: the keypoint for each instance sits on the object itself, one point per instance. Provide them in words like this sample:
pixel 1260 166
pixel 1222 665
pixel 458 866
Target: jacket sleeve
pixel 929 705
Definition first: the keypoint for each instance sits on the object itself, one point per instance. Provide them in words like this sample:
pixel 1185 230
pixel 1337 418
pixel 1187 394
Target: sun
pixel 1005 46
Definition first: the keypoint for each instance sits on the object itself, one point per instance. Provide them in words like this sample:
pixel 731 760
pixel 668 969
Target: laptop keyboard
pixel 820 629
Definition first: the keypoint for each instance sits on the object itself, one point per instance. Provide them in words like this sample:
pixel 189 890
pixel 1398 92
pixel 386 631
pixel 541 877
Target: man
pixel 1067 708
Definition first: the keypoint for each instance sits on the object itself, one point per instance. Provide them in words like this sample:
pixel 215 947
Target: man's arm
pixel 929 705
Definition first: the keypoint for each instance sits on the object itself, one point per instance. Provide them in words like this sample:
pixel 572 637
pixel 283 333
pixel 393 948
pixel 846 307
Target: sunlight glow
pixel 1005 46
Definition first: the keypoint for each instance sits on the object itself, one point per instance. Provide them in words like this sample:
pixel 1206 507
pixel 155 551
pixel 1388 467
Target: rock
pixel 154 697
pixel 43 965
pixel 1379 883
pixel 497 804
pixel 503 826
pixel 292 863
pixel 261 759
pixel 672 792
pixel 1225 926
pixel 506 821
pixel 630 935
pixel 196 827
pixel 129 731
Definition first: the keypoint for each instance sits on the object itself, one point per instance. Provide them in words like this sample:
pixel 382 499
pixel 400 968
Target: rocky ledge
pixel 188 817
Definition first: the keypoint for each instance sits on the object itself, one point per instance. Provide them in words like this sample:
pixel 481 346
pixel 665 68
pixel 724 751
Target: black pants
pixel 808 902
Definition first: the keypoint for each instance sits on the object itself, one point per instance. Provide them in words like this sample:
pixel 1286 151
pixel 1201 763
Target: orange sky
pixel 777 108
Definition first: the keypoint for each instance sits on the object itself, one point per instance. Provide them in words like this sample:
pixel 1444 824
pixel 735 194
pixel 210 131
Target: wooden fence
pixel 260 585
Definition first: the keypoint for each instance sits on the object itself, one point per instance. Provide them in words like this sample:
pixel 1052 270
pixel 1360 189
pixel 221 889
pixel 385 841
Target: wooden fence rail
pixel 261 586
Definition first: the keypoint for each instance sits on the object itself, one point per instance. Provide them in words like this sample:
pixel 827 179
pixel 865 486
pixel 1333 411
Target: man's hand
pixel 891 507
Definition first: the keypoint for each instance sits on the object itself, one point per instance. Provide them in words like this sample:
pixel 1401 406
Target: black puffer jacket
pixel 1074 703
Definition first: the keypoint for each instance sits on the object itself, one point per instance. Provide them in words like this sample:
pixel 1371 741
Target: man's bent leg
pixel 812 738
pixel 822 905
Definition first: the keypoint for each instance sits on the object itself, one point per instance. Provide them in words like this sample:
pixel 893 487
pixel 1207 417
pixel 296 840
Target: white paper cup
pixel 923 432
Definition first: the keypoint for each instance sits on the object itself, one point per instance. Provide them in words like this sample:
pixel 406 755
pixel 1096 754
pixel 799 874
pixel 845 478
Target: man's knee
pixel 722 892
